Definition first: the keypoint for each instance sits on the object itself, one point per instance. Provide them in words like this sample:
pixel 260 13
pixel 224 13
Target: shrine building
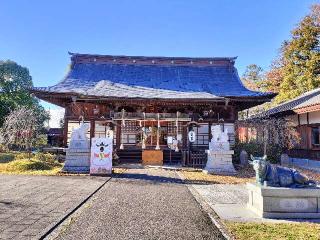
pixel 151 103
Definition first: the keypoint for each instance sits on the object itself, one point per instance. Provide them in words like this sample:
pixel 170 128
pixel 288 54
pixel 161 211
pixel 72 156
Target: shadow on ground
pixel 145 177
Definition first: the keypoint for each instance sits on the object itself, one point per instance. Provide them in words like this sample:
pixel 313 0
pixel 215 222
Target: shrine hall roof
pixel 152 78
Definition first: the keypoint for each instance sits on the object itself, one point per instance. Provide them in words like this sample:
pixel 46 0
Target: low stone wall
pixel 301 162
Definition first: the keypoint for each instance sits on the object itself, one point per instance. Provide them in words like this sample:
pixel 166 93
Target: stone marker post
pixel 244 158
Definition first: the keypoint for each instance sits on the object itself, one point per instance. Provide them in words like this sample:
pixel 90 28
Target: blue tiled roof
pixel 110 79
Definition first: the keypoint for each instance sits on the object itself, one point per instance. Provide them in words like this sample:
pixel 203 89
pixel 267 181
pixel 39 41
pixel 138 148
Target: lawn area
pixel 35 164
pixel 244 175
pixel 266 231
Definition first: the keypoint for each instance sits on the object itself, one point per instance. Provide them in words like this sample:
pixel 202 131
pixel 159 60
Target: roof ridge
pixel 150 57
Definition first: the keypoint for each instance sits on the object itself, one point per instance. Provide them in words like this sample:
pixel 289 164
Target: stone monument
pixel 281 192
pixel 285 159
pixel 244 158
pixel 78 152
pixel 219 153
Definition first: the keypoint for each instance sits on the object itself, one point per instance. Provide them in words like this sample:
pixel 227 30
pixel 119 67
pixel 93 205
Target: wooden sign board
pixel 152 157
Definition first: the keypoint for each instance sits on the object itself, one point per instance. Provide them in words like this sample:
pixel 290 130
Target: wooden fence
pixel 195 159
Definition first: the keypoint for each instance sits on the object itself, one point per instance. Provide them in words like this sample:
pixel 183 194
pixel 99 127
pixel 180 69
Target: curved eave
pixel 266 97
pixel 62 98
pixel 50 96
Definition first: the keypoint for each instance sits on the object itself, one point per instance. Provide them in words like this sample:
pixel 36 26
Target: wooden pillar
pixel 65 131
pixel 92 129
pixel 209 129
pixel 118 134
pixel 185 137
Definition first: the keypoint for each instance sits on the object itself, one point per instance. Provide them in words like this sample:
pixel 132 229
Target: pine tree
pixel 253 77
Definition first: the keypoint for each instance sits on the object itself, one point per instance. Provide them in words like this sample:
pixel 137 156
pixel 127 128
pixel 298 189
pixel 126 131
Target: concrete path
pixel 31 205
pixel 229 202
pixel 142 204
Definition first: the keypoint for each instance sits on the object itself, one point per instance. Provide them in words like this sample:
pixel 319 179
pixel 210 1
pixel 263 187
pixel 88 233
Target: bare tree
pixel 20 128
pixel 271 135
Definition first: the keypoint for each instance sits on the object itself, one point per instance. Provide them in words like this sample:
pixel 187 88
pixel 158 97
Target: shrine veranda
pixel 149 102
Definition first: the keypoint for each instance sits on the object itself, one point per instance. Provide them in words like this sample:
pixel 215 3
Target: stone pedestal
pixel 220 162
pixel 279 202
pixel 77 157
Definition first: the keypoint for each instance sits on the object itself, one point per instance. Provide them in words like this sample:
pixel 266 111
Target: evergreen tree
pixel 301 58
pixel 253 77
pixel 15 81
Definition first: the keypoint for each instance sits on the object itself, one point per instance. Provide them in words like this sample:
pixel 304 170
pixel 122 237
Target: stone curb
pixel 206 208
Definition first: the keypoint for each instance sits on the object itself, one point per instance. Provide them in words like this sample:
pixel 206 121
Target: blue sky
pixel 38 34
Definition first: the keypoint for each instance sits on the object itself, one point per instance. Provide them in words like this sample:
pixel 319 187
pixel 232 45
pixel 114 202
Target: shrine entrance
pixel 150 130
pixel 157 138
pixel 156 134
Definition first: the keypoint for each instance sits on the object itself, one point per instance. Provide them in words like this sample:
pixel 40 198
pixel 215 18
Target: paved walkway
pixel 31 205
pixel 142 204
pixel 229 203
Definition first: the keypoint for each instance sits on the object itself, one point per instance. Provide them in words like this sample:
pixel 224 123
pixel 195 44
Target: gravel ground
pixel 142 204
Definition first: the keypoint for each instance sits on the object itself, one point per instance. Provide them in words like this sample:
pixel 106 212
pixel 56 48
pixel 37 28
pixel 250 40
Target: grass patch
pixel 36 165
pixel 117 170
pixel 32 167
pixel 279 231
pixel 244 175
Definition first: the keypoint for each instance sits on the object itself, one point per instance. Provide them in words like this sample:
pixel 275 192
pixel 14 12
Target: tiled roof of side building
pixel 307 99
pixel 314 100
pixel 153 77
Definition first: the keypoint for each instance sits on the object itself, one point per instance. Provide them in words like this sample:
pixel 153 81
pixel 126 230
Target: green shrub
pixel 6 157
pixel 23 155
pixel 45 157
pixel 41 141
pixel 256 149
